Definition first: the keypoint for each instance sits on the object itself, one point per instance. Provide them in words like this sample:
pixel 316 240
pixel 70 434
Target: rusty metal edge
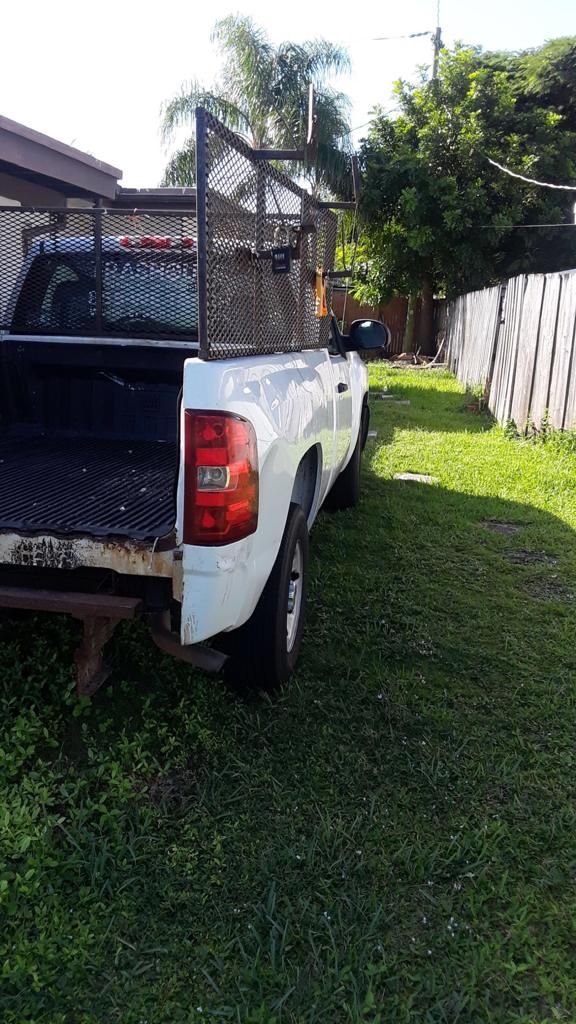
pixel 79 605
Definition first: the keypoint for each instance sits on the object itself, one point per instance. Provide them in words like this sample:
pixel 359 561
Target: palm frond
pixel 181 167
pixel 333 172
pixel 180 110
pixel 249 59
pixel 333 118
pixel 263 93
pixel 237 31
pixel 317 58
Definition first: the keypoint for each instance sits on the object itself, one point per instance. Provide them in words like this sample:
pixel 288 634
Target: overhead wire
pixel 497 227
pixel 354 232
pixel 495 163
pixel 529 181
pixel 350 131
pixel 356 129
pixel 409 35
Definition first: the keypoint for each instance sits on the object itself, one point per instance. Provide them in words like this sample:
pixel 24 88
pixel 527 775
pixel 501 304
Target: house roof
pixel 29 154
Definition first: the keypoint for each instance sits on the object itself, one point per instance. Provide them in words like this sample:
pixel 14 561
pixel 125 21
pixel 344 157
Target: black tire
pixel 260 655
pixel 345 492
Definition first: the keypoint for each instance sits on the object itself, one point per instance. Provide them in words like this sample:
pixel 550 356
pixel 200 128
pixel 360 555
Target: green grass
pixel 393 839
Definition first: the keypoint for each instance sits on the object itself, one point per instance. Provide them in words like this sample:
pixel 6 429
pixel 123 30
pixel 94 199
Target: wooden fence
pixel 517 341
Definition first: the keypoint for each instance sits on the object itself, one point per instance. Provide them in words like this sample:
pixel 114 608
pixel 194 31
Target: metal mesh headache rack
pixel 265 247
pixel 242 270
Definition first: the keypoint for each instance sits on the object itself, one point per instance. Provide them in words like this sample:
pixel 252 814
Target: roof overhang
pixel 36 157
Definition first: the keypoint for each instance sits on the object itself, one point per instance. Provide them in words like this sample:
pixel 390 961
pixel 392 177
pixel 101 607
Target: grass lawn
pixel 393 839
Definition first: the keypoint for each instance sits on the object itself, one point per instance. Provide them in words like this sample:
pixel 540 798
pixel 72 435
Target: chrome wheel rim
pixel 294 603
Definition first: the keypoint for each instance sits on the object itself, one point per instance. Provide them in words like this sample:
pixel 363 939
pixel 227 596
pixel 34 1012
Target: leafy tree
pixel 437 215
pixel 263 95
pixel 545 76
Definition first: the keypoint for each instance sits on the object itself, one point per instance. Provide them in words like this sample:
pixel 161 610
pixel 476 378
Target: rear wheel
pixel 264 652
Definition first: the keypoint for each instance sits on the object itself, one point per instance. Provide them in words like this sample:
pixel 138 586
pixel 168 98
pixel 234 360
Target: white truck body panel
pixel 295 405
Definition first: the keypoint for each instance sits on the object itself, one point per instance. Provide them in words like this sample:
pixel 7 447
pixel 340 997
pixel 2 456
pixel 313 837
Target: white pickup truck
pixel 139 479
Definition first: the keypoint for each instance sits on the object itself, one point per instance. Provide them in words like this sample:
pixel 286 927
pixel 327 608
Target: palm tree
pixel 263 95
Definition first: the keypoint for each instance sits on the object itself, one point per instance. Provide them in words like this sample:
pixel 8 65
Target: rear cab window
pixel 147 292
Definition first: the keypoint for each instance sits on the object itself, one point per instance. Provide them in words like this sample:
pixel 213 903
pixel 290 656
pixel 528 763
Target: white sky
pixel 95 74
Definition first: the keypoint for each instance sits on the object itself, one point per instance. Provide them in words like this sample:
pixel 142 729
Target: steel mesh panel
pixel 246 207
pixel 98 272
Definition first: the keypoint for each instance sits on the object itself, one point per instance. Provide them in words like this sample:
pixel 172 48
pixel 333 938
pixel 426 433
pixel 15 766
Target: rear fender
pixel 221 585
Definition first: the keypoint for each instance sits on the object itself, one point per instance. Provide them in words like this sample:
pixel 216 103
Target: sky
pixel 95 75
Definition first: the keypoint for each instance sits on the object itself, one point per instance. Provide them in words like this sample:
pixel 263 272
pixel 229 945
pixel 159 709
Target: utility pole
pixel 426 328
pixel 437 43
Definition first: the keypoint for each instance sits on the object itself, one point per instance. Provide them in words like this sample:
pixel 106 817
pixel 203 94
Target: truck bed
pixel 98 487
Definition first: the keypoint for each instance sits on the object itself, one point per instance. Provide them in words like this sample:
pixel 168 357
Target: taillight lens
pixel 220 478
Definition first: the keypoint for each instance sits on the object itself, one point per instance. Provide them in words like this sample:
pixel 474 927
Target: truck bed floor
pixel 96 487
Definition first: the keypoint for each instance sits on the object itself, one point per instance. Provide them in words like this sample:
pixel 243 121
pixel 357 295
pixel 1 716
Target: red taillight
pixel 220 478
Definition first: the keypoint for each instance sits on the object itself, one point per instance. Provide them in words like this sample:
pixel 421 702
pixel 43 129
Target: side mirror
pixel 368 334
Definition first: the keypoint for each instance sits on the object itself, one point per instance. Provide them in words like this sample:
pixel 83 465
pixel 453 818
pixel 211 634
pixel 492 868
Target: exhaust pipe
pixel 198 655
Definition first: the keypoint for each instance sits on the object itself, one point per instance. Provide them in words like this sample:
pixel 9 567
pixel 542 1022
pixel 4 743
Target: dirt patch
pixel 551 590
pixel 170 790
pixel 501 526
pixel 524 557
pixel 408 358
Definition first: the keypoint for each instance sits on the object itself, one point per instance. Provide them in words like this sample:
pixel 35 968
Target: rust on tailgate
pixel 129 557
